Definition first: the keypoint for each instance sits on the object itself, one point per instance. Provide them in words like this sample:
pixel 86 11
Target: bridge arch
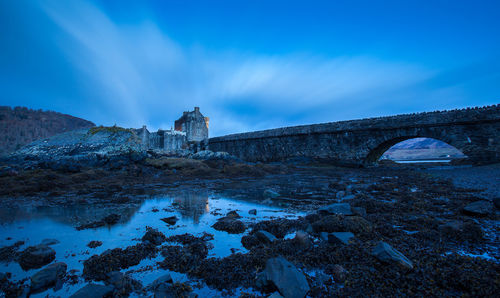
pixel 376 153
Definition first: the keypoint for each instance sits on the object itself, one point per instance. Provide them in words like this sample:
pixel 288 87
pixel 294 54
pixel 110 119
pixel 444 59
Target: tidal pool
pixel 197 212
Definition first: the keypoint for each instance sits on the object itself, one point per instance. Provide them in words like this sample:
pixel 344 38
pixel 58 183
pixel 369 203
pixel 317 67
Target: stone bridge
pixel 474 131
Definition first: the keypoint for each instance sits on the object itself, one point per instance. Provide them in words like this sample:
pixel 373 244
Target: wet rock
pixel 94 244
pixel 337 208
pixel 167 290
pixel 275 295
pixel 233 215
pixel 302 239
pixel 339 273
pixel 479 208
pixel 232 226
pixel 459 230
pixel 338 223
pixel 170 220
pixel 252 212
pixel 313 217
pixel 360 211
pixel 265 237
pixel 48 277
pixel 289 281
pixel 249 241
pixel 122 283
pixel 387 254
pixel 94 291
pixel 49 242
pixel 35 257
pixel 340 237
pixel 157 282
pixel 153 236
pixel 270 194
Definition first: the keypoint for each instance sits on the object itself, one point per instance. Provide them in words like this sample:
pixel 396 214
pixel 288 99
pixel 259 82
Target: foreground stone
pixel 122 283
pixel 170 220
pixel 340 237
pixel 385 253
pixel 265 237
pixel 93 290
pixel 48 277
pixel 479 208
pixel 153 236
pixel 230 225
pixel 35 257
pixel 289 281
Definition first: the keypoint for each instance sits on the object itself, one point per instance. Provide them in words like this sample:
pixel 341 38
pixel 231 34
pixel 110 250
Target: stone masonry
pixel 474 131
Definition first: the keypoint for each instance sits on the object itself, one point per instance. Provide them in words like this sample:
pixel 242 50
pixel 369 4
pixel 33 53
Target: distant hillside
pixel 422 148
pixel 20 126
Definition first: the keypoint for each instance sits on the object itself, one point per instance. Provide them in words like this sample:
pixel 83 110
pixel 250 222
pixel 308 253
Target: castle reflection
pixel 192 205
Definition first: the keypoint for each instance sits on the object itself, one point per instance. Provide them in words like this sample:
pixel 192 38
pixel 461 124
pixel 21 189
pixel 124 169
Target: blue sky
pixel 248 64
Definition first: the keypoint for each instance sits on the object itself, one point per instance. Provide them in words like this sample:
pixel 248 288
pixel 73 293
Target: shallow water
pixel 196 213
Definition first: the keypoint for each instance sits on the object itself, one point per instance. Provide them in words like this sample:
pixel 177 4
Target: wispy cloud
pixel 140 75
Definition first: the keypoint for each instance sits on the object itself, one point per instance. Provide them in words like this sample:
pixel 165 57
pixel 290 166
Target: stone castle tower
pixel 194 124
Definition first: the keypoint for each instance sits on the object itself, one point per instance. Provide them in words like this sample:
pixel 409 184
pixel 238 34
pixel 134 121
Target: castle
pixel 191 132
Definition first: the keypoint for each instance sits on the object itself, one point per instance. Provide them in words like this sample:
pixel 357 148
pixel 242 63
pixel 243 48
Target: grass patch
pixel 109 129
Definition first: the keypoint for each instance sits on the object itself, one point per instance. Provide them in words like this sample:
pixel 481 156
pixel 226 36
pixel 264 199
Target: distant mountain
pixel 20 126
pixel 420 143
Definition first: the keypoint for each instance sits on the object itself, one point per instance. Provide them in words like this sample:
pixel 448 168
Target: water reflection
pixel 192 205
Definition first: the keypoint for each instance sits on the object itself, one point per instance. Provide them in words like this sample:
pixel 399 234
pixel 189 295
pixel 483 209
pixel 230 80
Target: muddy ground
pixel 418 212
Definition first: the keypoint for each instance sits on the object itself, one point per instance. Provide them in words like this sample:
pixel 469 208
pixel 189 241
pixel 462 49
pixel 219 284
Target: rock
pixel 49 242
pixel 48 277
pixel 339 273
pixel 161 280
pixel 265 237
pixel 460 230
pixel 232 226
pixel 123 283
pixel 496 202
pixel 171 220
pixel 270 194
pixel 252 212
pixel 340 237
pixel 337 208
pixel 479 208
pixel 360 211
pixel 35 257
pixel 275 295
pixel 94 244
pixel 233 215
pixel 385 253
pixel 94 291
pixel 153 236
pixel 289 281
pixel 323 236
pixel 302 239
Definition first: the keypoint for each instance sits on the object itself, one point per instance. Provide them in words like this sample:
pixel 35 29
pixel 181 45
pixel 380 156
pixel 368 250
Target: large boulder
pixel 479 208
pixel 48 277
pixel 94 291
pixel 289 281
pixel 122 283
pixel 35 257
pixel 387 254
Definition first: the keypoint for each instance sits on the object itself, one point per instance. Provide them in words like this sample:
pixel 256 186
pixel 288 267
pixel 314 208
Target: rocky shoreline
pixel 383 231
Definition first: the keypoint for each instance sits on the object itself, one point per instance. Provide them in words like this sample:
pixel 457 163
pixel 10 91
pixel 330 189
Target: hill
pixel 20 126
